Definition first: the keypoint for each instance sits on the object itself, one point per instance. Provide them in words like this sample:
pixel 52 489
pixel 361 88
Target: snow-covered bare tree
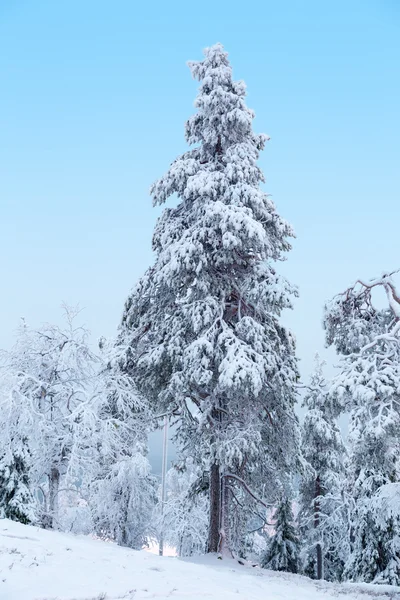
pixel 184 521
pixel 74 512
pixel 54 370
pixel 322 517
pixel 122 494
pixel 51 371
pixel 369 386
pixel 282 553
pixel 202 325
pixel 83 429
pixel 50 380
pixel 123 500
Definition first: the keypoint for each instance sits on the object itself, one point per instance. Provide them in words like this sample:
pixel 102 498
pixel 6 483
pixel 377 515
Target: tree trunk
pixel 54 485
pixel 320 558
pixel 215 509
pixel 225 521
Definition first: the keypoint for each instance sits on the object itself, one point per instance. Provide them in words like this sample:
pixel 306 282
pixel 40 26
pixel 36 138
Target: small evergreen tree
pixel 324 535
pixel 283 551
pixel 16 497
pixel 16 500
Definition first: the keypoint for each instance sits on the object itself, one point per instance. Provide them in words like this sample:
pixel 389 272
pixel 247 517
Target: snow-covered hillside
pixel 45 565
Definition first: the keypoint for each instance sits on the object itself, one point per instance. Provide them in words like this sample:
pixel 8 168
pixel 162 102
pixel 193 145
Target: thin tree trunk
pixel 163 485
pixel 215 508
pixel 54 486
pixel 225 548
pixel 320 560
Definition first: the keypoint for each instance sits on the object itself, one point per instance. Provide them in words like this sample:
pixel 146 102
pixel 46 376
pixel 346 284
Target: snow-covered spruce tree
pixel 16 499
pixel 368 385
pixel 322 516
pixel 282 553
pixel 202 325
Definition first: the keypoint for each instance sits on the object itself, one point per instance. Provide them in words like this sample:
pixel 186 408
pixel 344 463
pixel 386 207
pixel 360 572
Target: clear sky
pixel 94 96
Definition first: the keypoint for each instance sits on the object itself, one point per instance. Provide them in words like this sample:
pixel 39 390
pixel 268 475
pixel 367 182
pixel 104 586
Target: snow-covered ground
pixel 45 565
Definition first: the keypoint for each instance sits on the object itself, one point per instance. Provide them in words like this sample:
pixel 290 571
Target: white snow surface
pixel 37 564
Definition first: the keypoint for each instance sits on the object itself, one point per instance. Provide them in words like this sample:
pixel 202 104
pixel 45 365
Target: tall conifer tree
pixel 202 325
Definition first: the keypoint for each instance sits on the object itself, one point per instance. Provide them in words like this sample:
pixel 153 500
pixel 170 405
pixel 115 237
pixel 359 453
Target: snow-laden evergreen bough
pixel 368 385
pixel 202 325
pixel 323 517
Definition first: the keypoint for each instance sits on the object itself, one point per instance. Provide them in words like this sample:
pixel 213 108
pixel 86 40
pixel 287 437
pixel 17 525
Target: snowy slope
pixel 45 565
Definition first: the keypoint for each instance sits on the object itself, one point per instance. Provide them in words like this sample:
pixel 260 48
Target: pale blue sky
pixel 93 101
